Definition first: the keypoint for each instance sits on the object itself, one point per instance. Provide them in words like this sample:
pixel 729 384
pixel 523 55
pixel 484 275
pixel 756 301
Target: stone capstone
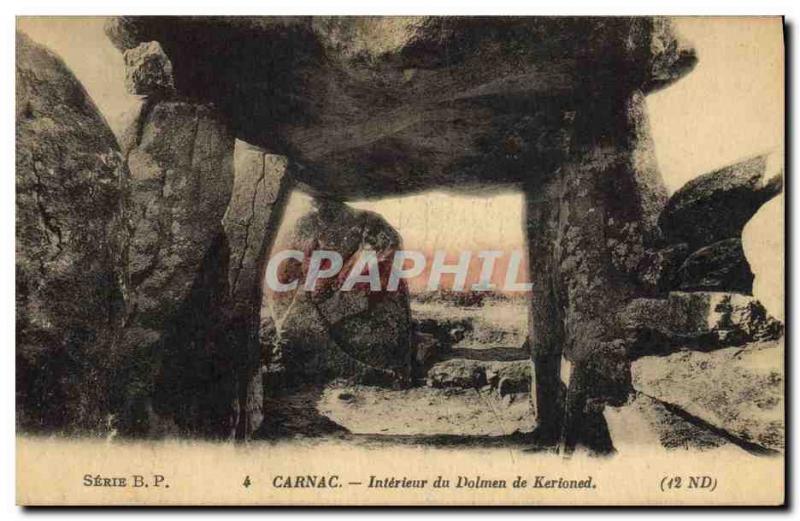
pixel 375 106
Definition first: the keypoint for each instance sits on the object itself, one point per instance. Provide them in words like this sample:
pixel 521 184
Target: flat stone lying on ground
pixel 646 423
pixel 469 374
pixel 737 390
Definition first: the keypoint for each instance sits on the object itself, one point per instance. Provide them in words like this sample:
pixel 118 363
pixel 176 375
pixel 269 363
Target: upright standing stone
pixel 181 178
pixel 69 186
pixel 260 189
pixel 586 240
pixel 325 333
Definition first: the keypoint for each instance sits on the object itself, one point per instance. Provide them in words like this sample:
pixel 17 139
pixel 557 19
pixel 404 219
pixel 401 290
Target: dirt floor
pixel 453 406
pixel 498 331
pixel 425 411
pixel 494 324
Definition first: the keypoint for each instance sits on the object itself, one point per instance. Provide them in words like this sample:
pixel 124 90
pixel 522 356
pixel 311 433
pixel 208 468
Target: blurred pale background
pixel 729 108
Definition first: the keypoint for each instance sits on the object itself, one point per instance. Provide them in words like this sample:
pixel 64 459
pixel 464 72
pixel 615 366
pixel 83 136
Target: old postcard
pixel 400 260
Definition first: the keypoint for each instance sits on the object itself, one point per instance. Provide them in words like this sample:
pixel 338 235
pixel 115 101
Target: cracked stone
pixel 358 333
pixel 70 237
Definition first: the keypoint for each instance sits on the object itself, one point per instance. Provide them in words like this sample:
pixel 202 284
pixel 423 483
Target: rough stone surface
pixel 658 270
pixel 148 70
pixel 326 333
pixel 468 373
pixel 458 372
pixel 69 188
pixel 181 178
pixel 260 191
pixel 717 205
pixel 703 320
pixel 387 105
pixel 738 390
pixel 645 423
pixel 509 377
pixel 588 229
pixel 721 266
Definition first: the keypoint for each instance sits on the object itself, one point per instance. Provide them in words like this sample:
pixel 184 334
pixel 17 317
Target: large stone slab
pixel 738 390
pixel 645 423
pixel 585 252
pixel 717 205
pixel 326 332
pixel 384 105
pixel 261 187
pixel 181 368
pixel 260 190
pixel 69 239
pixel 181 178
pixel 703 320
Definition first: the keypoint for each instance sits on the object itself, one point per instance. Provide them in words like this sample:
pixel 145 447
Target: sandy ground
pixel 461 415
pixel 495 324
pixel 425 411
